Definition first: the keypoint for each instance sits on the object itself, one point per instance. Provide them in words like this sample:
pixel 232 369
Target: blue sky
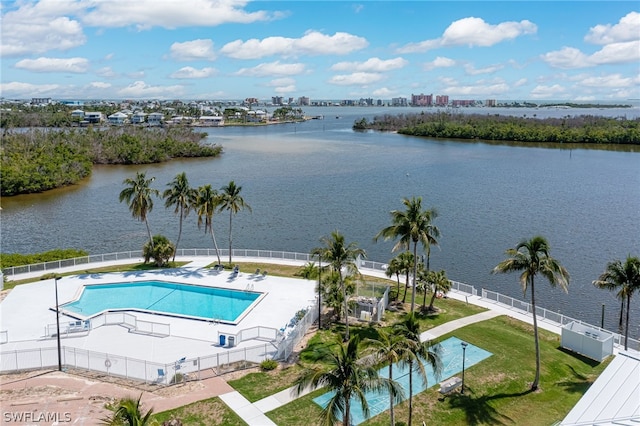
pixel 332 50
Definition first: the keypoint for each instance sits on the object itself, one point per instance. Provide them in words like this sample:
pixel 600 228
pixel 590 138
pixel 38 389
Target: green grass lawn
pixel 202 413
pixel 496 389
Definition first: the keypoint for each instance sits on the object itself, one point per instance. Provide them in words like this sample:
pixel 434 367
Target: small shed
pixel 586 340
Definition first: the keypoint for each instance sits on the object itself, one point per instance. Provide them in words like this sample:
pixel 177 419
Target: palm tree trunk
pixel 391 412
pixel 215 244
pixel 536 380
pixel 346 305
pixel 626 328
pixel 410 392
pixel 406 287
pixel 415 272
pixel 148 232
pixel 621 315
pixel 230 235
pixel 347 412
pixel 433 298
pixel 179 234
pixel 398 286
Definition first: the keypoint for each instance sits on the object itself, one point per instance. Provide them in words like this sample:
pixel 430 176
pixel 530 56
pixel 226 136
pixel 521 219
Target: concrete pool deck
pixel 29 308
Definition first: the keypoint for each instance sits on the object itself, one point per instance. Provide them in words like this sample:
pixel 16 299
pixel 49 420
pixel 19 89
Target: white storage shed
pixel 591 342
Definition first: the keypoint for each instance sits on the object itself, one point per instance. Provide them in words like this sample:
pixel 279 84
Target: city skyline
pixel 235 49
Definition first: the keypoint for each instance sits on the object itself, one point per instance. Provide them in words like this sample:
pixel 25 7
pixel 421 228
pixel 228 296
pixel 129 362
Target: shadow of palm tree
pixel 478 409
pixel 579 385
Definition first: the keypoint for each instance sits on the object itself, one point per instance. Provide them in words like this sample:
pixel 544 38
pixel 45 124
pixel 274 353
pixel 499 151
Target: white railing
pixel 4 336
pixel 67 328
pixel 549 316
pixel 291 337
pixel 131 322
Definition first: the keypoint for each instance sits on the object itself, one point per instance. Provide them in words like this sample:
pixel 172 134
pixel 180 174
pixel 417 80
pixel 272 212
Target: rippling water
pixel 305 180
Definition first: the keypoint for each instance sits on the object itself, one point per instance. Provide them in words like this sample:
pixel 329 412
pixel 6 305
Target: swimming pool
pixel 162 297
pixel 450 352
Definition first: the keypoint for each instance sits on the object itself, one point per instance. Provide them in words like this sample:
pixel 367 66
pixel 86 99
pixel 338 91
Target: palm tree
pixel 232 200
pixel 413 225
pixel 348 376
pixel 625 278
pixel 531 258
pixel 338 254
pixel 401 264
pixel 138 195
pixel 416 353
pixel 389 349
pixel 127 413
pixel 439 284
pixel 393 268
pixel 207 201
pixel 183 197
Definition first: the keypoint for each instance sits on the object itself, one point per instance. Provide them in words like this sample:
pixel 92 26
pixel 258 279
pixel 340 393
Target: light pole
pixel 464 348
pixel 58 326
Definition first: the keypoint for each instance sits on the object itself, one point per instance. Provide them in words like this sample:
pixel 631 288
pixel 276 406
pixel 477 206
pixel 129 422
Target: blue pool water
pixel 450 352
pixel 201 302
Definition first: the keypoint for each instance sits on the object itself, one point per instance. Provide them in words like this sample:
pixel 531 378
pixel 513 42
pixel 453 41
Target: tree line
pixel 587 129
pixel 36 160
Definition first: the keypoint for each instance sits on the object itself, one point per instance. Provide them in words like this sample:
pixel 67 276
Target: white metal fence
pixel 550 316
pixel 290 338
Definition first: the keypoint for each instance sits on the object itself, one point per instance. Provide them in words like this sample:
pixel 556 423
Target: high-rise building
pixel 421 100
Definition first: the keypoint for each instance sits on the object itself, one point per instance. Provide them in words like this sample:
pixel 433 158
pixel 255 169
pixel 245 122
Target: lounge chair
pixel 257 272
pixel 161 375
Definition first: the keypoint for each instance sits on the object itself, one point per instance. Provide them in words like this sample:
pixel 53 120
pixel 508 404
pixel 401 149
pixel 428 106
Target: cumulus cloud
pixel 609 81
pixel 555 91
pixel 106 72
pixel 190 72
pixel 357 78
pixel 312 43
pixel 440 62
pixel 75 65
pixel 383 92
pixel 281 82
pixel 471 70
pixel 272 69
pixel 99 85
pixel 19 89
pixel 194 50
pixel 627 29
pixel 473 32
pixel 140 89
pixel 371 65
pixel 146 14
pixel 39 27
pixel 615 53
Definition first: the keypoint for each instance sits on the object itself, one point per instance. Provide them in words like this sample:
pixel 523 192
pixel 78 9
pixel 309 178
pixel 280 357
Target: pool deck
pixel 29 308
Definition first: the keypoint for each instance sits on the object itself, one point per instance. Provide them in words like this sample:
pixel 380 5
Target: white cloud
pixel 106 72
pixel 312 43
pixel 615 53
pixel 627 29
pixel 75 65
pixel 440 62
pixel 371 65
pixel 281 82
pixel 19 89
pixel 383 92
pixel 145 14
pixel 39 27
pixel 190 72
pixel 140 89
pixel 272 69
pixel 555 91
pixel 473 32
pixel 285 89
pixel 471 70
pixel 520 82
pixel 194 50
pixel 99 85
pixel 357 78
pixel 566 58
pixel 609 81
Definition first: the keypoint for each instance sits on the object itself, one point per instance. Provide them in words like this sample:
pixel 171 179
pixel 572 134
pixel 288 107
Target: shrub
pixel 268 365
